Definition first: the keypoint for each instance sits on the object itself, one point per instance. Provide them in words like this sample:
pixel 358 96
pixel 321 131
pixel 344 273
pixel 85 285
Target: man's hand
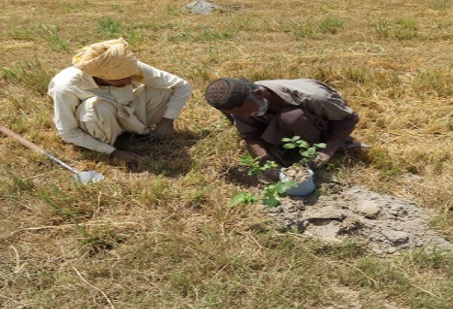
pixel 319 162
pixel 165 128
pixel 126 156
pixel 272 174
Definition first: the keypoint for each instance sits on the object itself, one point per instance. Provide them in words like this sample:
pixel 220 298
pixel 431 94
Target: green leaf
pixel 253 199
pixel 289 184
pixel 295 138
pixel 271 201
pixel 320 145
pixel 311 150
pixel 302 144
pixel 270 188
pixel 269 164
pixel 237 199
pixel 286 140
pixel 253 163
pixel 305 154
pixel 289 146
pixel 247 159
pixel 280 187
pixel 245 197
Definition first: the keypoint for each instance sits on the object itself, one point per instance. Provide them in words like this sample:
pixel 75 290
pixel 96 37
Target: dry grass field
pixel 161 234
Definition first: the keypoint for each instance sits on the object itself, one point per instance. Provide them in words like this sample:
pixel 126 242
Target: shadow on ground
pixel 163 157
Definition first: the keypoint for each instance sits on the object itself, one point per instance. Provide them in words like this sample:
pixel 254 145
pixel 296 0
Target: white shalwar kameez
pixel 93 116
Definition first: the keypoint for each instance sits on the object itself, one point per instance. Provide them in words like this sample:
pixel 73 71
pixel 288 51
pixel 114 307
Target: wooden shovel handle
pixel 22 140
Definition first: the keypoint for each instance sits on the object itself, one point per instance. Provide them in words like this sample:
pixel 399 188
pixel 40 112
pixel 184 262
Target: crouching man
pixel 266 111
pixel 107 92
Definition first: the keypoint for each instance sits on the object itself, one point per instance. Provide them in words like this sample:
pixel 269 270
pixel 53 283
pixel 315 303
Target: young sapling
pixel 307 151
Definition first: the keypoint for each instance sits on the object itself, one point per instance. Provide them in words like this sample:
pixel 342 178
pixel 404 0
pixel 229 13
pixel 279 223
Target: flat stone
pixel 327 231
pixel 201 7
pixel 369 209
pixel 396 237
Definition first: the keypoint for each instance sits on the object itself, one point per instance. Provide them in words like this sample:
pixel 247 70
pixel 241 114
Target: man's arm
pixel 339 131
pixel 250 130
pixel 257 148
pixel 156 78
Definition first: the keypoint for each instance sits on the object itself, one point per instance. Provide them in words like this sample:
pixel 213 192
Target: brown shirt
pixel 311 95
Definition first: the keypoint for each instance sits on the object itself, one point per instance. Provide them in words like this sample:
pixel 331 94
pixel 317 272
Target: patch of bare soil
pixel 385 223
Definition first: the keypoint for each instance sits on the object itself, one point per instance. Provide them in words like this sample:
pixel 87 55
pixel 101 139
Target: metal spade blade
pixel 87 177
pixel 79 177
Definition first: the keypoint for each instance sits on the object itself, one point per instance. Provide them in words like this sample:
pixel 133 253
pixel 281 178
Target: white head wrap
pixel 110 60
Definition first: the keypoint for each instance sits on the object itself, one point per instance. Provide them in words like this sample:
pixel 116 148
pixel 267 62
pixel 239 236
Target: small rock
pixel 201 7
pixel 369 209
pixel 327 232
pixel 396 237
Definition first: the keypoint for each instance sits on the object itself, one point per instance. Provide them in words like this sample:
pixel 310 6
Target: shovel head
pixel 87 177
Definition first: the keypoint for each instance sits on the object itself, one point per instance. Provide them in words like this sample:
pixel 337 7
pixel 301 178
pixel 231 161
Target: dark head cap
pixel 228 93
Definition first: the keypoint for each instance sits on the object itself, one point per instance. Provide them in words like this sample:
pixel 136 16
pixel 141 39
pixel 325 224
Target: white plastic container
pixel 303 188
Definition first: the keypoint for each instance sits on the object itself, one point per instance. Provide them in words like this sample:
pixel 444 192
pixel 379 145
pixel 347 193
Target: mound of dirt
pixel 385 223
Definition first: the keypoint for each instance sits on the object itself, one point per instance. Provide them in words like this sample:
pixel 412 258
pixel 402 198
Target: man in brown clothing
pixel 266 111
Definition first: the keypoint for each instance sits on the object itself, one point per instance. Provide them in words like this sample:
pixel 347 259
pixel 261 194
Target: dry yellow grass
pixel 163 235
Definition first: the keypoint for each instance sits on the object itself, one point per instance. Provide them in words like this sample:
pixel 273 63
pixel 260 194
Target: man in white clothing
pixel 107 92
